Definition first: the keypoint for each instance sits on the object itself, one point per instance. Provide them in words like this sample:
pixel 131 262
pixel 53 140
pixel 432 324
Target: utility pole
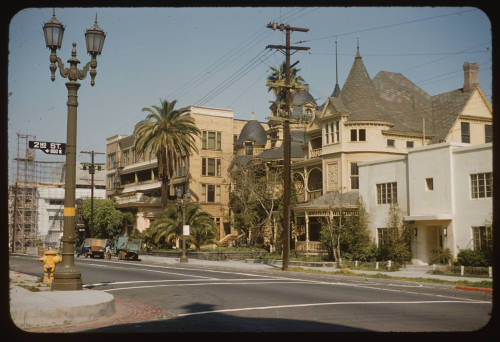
pixel 91 167
pixel 286 134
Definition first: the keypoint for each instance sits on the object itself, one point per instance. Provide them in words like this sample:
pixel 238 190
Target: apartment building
pixel 443 191
pixel 133 181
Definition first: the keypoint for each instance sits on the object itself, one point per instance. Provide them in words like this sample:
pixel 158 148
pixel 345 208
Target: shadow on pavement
pixel 223 322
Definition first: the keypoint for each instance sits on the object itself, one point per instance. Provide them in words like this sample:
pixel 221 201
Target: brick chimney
pixel 470 75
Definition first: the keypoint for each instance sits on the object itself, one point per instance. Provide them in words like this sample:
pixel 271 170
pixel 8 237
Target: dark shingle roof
pixel 391 97
pixel 359 94
pixel 252 131
pixel 297 141
pixel 333 199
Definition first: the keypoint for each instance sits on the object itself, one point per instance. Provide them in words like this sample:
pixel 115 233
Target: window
pixel 488 133
pixel 385 235
pixel 125 158
pixel 332 132
pixel 249 149
pixel 362 134
pixel 409 144
pixel 482 238
pixel 210 166
pixel 465 128
pixel 235 141
pixel 111 161
pixel 354 176
pixel 56 201
pixel 429 184
pixel 390 142
pixel 481 185
pixel 210 193
pixel 354 135
pixel 387 193
pixel 211 140
pixel 358 134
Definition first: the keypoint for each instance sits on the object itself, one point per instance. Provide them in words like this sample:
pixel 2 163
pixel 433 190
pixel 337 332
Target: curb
pixel 52 308
pixel 477 289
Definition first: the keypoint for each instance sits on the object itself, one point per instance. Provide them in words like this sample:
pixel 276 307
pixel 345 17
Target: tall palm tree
pixel 279 75
pixel 169 134
pixel 169 225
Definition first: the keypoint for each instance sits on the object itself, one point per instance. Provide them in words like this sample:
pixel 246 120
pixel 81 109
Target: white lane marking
pixel 173 280
pixel 183 268
pixel 305 281
pixel 406 285
pixel 155 271
pixel 252 282
pixel 330 303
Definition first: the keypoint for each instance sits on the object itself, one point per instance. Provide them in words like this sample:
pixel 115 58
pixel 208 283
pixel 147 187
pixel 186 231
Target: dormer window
pixel 249 149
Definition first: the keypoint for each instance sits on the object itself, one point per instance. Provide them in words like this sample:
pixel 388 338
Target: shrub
pixel 440 256
pixel 468 257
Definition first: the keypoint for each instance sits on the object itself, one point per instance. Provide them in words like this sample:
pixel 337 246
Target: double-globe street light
pixel 183 198
pixel 67 277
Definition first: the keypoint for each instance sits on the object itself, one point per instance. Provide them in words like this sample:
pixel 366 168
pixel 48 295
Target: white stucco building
pixel 50 206
pixel 444 191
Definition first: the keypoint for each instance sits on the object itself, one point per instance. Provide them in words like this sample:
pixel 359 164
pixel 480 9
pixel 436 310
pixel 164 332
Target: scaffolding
pixel 23 197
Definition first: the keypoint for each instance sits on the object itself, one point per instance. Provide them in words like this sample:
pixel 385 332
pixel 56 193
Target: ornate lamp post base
pixel 67 278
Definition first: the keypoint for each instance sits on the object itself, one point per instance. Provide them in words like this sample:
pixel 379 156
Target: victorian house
pixel 375 119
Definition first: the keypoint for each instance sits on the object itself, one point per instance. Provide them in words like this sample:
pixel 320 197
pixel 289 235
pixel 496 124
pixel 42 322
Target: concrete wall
pixel 385 171
pixel 470 212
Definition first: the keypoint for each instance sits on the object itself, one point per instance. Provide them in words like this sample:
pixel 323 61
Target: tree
pixel 169 134
pixel 356 241
pixel 397 242
pixel 254 199
pixel 108 221
pixel 278 75
pixel 169 226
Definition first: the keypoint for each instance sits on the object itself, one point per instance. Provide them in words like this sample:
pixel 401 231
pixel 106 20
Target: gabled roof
pixel 391 97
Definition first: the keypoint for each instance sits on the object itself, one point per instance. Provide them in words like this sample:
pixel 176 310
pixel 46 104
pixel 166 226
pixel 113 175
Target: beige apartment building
pixel 133 182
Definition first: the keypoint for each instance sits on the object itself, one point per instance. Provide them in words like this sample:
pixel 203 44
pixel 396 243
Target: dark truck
pixel 91 247
pixel 126 248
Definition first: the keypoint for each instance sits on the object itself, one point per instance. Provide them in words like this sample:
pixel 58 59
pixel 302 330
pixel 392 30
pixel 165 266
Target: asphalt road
pixel 203 299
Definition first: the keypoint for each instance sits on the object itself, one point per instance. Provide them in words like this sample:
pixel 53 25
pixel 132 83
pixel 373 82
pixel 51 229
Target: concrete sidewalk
pixel 44 308
pixel 33 305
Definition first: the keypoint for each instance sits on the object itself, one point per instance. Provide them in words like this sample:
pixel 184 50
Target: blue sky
pixel 216 57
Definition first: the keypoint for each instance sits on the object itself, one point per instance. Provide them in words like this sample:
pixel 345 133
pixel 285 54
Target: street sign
pixel 185 229
pixel 48 147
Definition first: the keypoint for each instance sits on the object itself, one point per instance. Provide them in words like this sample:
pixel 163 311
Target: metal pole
pixel 92 171
pixel 67 276
pixel 183 256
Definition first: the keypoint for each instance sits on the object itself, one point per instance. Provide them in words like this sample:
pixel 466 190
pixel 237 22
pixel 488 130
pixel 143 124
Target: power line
pixel 385 26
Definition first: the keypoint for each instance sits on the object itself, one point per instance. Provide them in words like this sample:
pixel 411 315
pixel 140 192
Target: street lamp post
pixel 183 200
pixel 67 277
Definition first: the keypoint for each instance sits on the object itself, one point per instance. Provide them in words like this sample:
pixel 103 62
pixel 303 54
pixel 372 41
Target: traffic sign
pixel 48 147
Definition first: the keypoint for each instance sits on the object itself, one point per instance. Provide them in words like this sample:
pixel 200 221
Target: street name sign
pixel 48 147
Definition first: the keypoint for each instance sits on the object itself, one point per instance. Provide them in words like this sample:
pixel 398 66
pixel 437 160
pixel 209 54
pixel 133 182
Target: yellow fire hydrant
pixel 50 259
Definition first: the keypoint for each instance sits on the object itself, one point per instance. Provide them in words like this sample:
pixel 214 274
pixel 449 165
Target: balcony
pixel 314 194
pixel 137 199
pixel 315 153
